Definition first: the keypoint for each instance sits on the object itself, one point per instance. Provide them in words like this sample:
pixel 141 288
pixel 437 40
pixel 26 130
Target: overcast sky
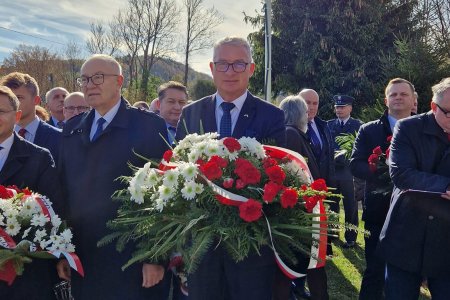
pixel 58 22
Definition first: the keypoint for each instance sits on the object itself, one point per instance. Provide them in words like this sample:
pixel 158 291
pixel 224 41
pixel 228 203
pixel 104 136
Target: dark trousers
pixel 404 285
pixel 219 277
pixel 346 188
pixel 317 283
pixel 373 279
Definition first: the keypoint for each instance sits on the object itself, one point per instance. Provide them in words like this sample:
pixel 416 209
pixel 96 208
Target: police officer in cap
pixel 344 124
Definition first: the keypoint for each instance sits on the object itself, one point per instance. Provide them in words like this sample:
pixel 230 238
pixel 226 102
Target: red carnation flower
pixel 221 162
pixel 200 162
pixel 5 193
pixel 288 198
pixel 373 159
pixel 271 189
pixel 304 187
pixel 276 174
pixel 240 184
pixel 319 185
pixel 228 183
pixel 377 150
pixel 167 155
pixel 310 202
pixel 250 211
pixel 247 171
pixel 269 162
pixel 232 144
pixel 211 170
pixel 176 263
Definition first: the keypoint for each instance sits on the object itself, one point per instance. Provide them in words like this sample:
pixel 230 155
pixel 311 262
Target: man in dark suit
pixel 399 101
pixel 97 148
pixel 414 239
pixel 345 124
pixel 30 127
pixel 54 101
pixel 233 111
pixel 26 165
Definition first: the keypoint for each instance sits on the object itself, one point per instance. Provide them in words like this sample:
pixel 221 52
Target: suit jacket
pixel 326 160
pixel 371 135
pixel 48 137
pixel 415 234
pixel 257 118
pixel 298 141
pixel 89 171
pixel 28 165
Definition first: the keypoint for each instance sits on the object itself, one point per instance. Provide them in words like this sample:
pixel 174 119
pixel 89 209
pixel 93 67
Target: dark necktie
pixel 317 149
pixel 60 124
pixel 22 132
pixel 99 130
pixel 342 124
pixel 225 122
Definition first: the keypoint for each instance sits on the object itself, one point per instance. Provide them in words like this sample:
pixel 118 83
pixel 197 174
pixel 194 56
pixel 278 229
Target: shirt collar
pixel 7 144
pixel 109 116
pixel 392 122
pixel 344 120
pixel 31 127
pixel 238 102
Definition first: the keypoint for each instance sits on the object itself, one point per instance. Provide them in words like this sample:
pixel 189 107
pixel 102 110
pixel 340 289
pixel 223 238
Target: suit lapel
pixel 15 160
pixel 208 116
pixel 245 118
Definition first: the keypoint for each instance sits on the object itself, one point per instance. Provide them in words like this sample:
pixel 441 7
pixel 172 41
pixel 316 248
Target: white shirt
pixel 238 103
pixel 109 116
pixel 392 122
pixel 4 152
pixel 343 120
pixel 31 129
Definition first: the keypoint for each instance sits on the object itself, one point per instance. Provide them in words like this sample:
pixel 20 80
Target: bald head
pixel 108 62
pixel 74 104
pixel 312 100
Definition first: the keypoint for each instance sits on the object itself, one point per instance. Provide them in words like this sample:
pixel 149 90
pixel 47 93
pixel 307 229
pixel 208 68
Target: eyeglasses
pixel 238 67
pixel 79 108
pixel 96 79
pixel 4 112
pixel 445 112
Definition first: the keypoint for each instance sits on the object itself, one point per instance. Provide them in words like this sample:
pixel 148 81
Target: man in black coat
pixel 26 165
pixel 30 127
pixel 96 148
pixel 233 111
pixel 414 240
pixel 345 124
pixel 399 101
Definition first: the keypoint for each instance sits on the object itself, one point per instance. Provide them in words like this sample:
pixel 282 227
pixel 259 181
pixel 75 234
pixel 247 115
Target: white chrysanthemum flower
pixel 10 212
pixel 252 146
pixel 136 192
pixel 66 235
pixel 166 192
pixel 188 191
pixel 12 226
pixel 193 156
pixel 170 178
pixel 44 243
pixel 26 232
pixel 39 220
pixel 152 178
pixel 199 188
pixel 56 239
pixel 293 168
pixel 29 207
pixel 200 147
pixel 160 203
pixel 40 234
pixel 188 170
pixel 68 247
pixel 56 221
pixel 2 223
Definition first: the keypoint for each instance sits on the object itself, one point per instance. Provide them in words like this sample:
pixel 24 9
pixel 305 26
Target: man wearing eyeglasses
pixel 233 111
pixel 399 99
pixel 74 104
pixel 414 240
pixel 97 148
pixel 30 127
pixel 27 166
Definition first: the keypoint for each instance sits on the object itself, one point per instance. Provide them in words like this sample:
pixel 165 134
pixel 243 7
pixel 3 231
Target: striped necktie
pixel 315 142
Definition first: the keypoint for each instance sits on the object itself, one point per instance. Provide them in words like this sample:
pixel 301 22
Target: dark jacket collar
pixel 17 156
pixel 431 127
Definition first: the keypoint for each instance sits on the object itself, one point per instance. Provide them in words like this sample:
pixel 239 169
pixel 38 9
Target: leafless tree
pixel 74 60
pixel 200 24
pixel 103 40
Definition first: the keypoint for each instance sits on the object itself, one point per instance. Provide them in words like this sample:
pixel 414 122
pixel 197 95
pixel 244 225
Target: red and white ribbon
pixel 72 258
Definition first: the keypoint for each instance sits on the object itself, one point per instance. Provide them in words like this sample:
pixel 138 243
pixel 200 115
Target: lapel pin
pixel 246 115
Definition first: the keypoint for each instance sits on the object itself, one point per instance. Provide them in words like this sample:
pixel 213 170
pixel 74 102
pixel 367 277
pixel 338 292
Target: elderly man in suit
pixel 233 111
pixel 74 104
pixel 97 148
pixel 30 127
pixel 345 124
pixel 27 165
pixel 399 101
pixel 414 240
pixel 54 100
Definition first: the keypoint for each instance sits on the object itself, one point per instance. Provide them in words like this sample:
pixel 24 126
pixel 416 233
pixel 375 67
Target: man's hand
pixel 151 275
pixel 446 195
pixel 63 269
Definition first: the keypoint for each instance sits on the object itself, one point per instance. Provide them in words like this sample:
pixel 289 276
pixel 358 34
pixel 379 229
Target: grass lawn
pixel 346 267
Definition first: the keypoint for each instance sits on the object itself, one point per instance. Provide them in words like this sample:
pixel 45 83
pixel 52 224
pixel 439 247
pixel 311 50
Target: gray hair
pixel 50 92
pixel 295 112
pixel 233 41
pixel 439 90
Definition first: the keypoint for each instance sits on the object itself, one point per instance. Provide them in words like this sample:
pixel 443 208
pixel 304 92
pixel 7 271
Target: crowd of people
pixel 74 151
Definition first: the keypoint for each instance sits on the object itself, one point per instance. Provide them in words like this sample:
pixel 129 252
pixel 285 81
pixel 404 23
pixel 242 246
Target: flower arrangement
pixel 379 165
pixel 29 228
pixel 238 193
